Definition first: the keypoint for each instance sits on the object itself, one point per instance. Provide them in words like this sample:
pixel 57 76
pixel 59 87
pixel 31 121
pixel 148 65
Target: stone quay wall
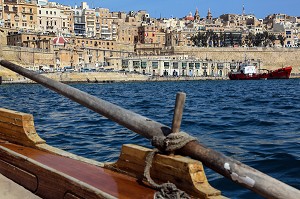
pixel 271 58
pixel 68 77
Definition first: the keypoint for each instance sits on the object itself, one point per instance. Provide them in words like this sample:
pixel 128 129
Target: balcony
pixel 10 11
pixel 105 33
pixel 104 27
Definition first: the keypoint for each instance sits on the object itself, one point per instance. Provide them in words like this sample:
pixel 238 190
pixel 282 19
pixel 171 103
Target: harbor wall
pixel 93 77
pixel 271 58
pixel 27 57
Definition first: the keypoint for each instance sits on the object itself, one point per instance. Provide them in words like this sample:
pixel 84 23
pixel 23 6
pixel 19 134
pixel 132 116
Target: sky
pixel 181 8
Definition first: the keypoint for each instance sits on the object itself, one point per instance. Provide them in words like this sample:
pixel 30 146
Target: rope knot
pixel 170 191
pixel 172 142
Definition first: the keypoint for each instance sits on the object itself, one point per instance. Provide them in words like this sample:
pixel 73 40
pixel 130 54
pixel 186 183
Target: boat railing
pixel 234 170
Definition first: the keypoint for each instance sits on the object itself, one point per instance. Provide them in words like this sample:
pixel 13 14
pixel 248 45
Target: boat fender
pixel 241 179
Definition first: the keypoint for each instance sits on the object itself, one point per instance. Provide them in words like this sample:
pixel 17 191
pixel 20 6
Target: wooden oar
pixel 242 174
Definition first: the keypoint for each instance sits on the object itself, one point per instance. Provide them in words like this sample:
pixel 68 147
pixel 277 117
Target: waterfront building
pixel 89 18
pixel 105 28
pixel 289 32
pixel 54 18
pixel 79 22
pixel 19 14
pixel 42 2
pixel 177 65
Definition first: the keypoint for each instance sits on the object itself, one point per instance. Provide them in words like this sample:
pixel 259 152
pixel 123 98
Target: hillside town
pixel 47 36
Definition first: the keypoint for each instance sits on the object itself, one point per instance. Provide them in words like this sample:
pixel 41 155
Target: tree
pixel 200 39
pixel 281 39
pixel 221 39
pixel 259 37
pixel 250 39
pixel 216 40
pixel 272 38
pixel 209 36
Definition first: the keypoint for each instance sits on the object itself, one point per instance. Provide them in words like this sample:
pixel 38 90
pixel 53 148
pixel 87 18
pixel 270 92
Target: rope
pixel 172 142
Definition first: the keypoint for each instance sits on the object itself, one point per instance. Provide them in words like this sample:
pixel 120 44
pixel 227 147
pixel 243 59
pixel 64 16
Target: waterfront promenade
pixel 106 77
pixel 98 77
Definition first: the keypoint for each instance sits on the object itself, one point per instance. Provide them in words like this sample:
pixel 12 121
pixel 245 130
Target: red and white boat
pixel 248 71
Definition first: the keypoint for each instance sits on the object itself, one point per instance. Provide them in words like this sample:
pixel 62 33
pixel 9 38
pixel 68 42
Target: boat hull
pixel 281 73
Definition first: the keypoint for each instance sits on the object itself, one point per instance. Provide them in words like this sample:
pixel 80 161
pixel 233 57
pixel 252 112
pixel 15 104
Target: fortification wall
pixel 27 57
pixel 271 58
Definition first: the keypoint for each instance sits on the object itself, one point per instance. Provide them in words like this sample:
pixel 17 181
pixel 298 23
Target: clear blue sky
pixel 180 8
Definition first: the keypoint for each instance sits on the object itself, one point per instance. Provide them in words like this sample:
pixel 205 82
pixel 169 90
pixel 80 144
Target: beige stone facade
pixel 20 14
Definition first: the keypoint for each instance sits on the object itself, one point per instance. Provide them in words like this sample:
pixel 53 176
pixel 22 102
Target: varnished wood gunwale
pixel 51 185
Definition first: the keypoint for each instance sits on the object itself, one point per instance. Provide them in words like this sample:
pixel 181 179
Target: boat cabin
pixel 247 68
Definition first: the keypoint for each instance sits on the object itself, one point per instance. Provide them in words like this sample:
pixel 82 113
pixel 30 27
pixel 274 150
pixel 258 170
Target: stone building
pixel 19 14
pixel 177 65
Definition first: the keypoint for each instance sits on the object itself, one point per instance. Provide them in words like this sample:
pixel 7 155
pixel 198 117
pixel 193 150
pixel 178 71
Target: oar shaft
pixel 244 175
pixel 240 173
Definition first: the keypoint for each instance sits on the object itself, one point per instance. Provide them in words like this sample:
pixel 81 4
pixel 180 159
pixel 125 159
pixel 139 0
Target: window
pixel 144 64
pixel 175 65
pixel 191 65
pixel 124 63
pixel 166 65
pixel 136 64
pixel 154 64
pixel 233 66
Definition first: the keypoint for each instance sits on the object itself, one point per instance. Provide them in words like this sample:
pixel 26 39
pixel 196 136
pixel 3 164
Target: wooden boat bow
pixel 50 173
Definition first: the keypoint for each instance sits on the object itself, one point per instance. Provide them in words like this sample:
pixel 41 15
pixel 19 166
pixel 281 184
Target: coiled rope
pixel 169 144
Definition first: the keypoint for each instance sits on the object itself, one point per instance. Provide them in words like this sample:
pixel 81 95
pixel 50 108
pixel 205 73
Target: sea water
pixel 255 122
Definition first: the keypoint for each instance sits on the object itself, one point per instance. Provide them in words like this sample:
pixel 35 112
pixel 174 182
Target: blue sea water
pixel 255 122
